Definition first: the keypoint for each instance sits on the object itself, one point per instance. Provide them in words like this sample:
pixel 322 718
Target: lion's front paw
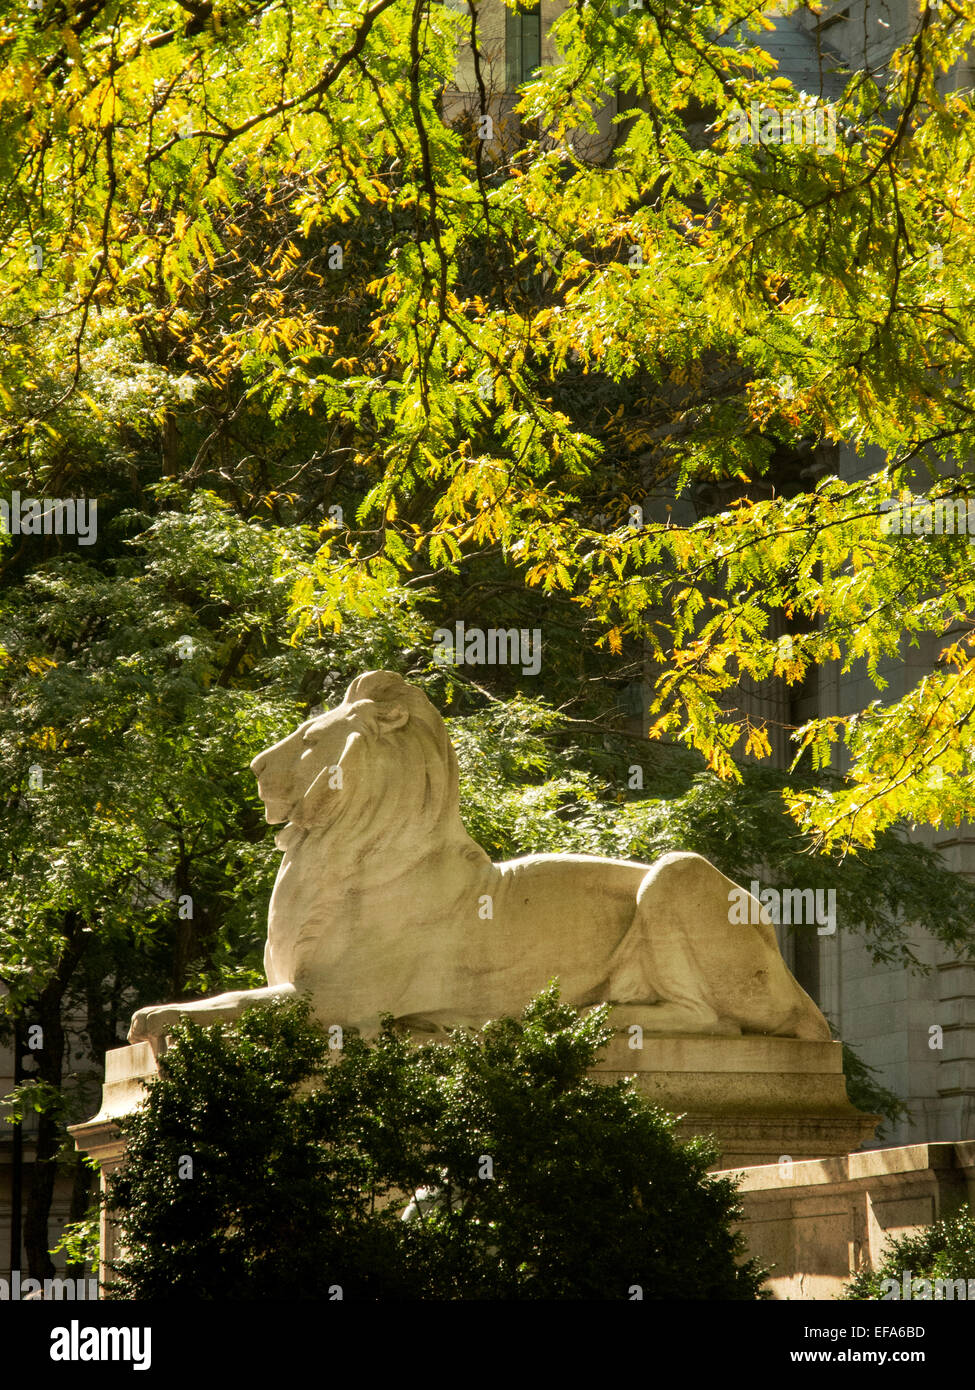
pixel 153 1023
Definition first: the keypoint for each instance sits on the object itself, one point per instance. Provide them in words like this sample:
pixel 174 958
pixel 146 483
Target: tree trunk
pixel 49 1056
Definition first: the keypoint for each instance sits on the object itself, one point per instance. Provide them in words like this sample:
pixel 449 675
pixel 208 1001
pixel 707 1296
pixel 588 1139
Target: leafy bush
pixel 257 1169
pixel 932 1260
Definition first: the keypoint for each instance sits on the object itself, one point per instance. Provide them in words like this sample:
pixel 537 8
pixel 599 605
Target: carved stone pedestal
pixel 126 1068
pixel 764 1099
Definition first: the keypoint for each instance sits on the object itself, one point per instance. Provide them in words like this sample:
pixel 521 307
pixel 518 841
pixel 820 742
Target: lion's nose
pixel 257 766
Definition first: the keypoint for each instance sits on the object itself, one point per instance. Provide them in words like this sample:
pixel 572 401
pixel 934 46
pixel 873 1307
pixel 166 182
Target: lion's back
pixel 537 881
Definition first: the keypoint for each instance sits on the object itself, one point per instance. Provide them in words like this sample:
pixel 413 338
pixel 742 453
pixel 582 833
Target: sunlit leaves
pixel 187 185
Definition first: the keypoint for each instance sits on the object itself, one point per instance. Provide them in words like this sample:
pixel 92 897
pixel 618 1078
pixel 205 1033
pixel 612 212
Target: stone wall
pixel 819 1222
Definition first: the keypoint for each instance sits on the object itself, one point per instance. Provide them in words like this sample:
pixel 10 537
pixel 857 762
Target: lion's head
pixel 379 762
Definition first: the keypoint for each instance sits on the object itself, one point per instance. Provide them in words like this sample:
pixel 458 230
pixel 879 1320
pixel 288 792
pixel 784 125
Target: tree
pixel 271 198
pixel 924 1266
pixel 256 1169
pixel 135 861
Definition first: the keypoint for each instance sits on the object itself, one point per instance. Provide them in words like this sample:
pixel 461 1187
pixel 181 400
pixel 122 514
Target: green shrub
pixel 258 1170
pixel 927 1265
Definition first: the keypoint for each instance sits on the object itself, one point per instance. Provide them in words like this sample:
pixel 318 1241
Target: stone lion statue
pixel 384 904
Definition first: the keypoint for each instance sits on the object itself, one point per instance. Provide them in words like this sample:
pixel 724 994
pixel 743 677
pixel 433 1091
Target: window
pixel 522 44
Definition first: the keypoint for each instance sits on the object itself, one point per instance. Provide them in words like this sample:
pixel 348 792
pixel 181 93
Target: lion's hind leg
pixel 654 973
pixel 700 971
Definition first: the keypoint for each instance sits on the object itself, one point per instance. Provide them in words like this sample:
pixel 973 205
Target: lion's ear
pixel 377 719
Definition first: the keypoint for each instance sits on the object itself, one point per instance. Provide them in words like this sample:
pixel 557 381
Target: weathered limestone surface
pixel 384 903
pixel 818 1222
pixel 764 1099
pixel 126 1069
